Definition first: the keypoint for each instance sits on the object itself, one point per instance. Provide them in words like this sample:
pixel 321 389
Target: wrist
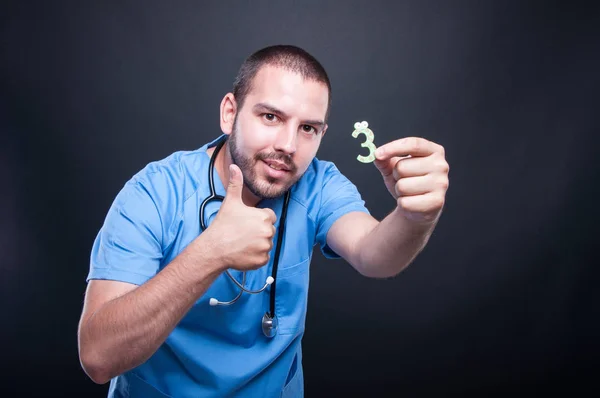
pixel 416 222
pixel 207 255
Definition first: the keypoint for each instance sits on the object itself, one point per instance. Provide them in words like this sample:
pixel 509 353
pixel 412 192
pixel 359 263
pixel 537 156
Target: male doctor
pixel 162 315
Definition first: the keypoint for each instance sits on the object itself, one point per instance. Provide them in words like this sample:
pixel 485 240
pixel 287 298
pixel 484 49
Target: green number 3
pixel 362 128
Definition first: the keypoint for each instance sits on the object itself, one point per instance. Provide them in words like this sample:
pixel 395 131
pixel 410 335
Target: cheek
pixel 255 136
pixel 249 137
pixel 306 155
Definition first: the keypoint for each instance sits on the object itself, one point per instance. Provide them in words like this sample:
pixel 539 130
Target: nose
pixel 286 140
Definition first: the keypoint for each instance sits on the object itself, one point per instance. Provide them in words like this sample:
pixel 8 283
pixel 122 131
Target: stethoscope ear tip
pixel 213 302
pixel 270 280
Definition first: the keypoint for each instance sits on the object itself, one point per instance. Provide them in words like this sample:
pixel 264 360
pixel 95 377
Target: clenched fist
pixel 243 235
pixel 415 172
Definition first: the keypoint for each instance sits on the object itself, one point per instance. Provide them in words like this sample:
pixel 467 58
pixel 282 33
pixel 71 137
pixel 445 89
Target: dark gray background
pixel 503 299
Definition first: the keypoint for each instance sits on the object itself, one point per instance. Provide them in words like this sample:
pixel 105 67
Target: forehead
pixel 288 91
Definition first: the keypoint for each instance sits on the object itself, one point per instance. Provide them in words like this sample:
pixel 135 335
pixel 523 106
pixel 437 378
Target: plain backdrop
pixel 503 299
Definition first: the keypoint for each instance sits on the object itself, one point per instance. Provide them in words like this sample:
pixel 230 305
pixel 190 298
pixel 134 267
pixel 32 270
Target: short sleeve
pixel 128 246
pixel 339 196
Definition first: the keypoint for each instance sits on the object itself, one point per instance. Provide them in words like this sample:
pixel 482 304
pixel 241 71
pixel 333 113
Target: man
pixel 157 320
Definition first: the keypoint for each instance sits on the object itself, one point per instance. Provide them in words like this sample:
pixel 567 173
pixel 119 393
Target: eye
pixel 270 117
pixel 307 128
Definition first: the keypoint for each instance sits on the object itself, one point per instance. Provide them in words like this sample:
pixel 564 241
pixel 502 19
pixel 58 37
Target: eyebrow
pixel 271 109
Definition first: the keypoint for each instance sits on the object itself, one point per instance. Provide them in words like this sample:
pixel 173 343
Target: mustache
pixel 286 159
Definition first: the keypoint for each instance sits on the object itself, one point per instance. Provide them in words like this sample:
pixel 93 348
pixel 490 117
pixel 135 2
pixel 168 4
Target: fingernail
pixel 379 152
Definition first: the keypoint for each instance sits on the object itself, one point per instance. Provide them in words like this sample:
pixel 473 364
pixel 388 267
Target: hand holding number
pixel 415 173
pixel 243 234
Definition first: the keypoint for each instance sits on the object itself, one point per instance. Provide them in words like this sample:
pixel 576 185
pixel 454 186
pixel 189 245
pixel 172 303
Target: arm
pixel 378 249
pixel 122 325
pixel 418 183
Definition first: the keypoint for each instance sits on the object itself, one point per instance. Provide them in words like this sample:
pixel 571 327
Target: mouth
pixel 276 171
pixel 277 165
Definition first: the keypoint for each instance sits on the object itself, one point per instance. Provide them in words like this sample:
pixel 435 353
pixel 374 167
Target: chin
pixel 269 189
pixel 272 192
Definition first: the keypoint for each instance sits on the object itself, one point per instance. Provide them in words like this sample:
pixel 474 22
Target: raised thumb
pixel 236 183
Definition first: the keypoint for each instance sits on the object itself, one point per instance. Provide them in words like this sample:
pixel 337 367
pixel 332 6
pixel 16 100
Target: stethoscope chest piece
pixel 269 325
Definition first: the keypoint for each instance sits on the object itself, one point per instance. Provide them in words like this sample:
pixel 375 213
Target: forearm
pixel 126 331
pixel 392 245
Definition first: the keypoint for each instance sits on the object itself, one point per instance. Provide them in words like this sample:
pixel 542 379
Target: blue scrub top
pixel 218 351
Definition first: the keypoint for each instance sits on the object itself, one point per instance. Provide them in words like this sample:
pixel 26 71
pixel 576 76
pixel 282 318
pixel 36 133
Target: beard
pixel 269 188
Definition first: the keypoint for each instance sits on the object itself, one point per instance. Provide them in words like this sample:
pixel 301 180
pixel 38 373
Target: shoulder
pixel 321 181
pixel 181 173
pixel 160 189
pixel 319 172
pixel 176 176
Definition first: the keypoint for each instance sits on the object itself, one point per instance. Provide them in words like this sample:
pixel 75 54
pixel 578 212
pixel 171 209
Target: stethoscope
pixel 269 319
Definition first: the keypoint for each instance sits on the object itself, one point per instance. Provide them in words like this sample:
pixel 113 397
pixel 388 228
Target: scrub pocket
pixel 292 297
pixel 132 385
pixel 295 387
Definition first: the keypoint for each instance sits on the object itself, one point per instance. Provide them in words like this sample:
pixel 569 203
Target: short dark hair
pixel 289 57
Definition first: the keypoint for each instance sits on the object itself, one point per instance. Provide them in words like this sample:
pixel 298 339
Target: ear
pixel 324 130
pixel 228 111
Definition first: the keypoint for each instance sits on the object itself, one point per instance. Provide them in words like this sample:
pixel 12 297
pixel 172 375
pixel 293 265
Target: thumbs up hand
pixel 243 235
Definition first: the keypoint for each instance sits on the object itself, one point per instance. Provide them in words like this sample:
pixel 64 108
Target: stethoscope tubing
pixel 272 279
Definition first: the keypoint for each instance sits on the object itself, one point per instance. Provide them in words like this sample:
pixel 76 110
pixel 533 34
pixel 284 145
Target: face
pixel 278 130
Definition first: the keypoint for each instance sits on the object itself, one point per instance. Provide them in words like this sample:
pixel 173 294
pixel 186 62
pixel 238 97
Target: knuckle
pixel 443 166
pixel 269 215
pixel 398 188
pixel 260 260
pixel 404 202
pixel 398 169
pixel 264 244
pixel 444 183
pixel 438 202
pixel 266 230
pixel 401 185
pixel 415 143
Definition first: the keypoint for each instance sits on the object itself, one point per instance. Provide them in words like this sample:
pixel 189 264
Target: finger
pixel 410 186
pixel 430 202
pixel 418 166
pixel 269 215
pixel 235 185
pixel 410 146
pixel 386 166
pixel 268 232
pixel 411 167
